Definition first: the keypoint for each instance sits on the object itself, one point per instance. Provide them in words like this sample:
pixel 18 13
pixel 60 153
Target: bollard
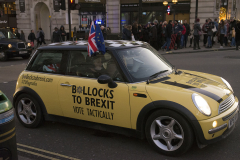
pixel 8 146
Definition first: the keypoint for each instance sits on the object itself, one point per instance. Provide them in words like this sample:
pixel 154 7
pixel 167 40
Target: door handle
pixel 68 85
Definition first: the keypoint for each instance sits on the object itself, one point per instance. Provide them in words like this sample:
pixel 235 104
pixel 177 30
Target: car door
pixel 43 74
pixel 82 97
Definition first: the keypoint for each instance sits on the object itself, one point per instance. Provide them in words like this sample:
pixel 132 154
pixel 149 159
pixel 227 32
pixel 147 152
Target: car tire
pixel 26 57
pixel 169 133
pixel 5 58
pixel 28 111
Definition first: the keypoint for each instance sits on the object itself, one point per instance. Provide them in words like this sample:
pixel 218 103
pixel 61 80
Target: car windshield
pixel 143 62
pixel 6 34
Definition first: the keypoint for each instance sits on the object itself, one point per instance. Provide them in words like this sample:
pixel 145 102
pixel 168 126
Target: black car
pixel 10 46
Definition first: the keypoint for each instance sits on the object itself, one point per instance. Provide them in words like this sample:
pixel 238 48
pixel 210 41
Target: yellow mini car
pixel 131 90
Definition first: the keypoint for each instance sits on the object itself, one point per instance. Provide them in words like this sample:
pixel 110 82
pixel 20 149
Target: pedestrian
pixel 196 31
pixel 164 39
pixel 159 34
pixel 146 33
pixel 187 32
pixel 31 37
pixel 153 35
pixel 232 32
pixel 37 37
pixel 168 35
pixel 228 31
pixel 222 31
pixel 22 36
pixel 183 36
pixel 140 34
pixel 178 30
pixel 209 27
pixel 204 30
pixel 135 30
pixel 191 35
pixel 104 32
pixel 128 33
pixel 63 33
pixel 56 37
pixel 124 33
pixel 17 34
pixel 41 36
pixel 237 36
pixel 215 30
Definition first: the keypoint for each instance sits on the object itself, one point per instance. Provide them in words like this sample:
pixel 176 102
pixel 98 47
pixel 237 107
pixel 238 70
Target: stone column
pixel 113 15
pixel 206 9
pixel 238 10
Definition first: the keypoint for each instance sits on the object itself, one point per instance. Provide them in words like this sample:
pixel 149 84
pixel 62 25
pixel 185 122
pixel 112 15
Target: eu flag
pixel 100 40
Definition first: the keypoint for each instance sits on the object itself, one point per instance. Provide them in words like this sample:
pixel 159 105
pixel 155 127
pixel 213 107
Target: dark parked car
pixel 10 46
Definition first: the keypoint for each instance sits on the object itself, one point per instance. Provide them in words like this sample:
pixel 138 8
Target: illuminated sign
pixel 169 10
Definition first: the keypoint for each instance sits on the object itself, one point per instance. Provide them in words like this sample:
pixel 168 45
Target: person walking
pixel 168 35
pixel 22 36
pixel 128 33
pixel 209 27
pixel 37 38
pixel 204 30
pixel 178 30
pixel 237 36
pixel 56 37
pixel 222 31
pixel 62 33
pixel 187 33
pixel 32 37
pixel 153 35
pixel 41 36
pixel 124 36
pixel 191 35
pixel 146 33
pixel 135 30
pixel 196 35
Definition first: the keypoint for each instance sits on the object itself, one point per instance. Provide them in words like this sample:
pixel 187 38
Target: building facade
pixel 33 14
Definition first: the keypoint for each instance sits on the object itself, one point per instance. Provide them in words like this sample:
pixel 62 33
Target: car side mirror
pixel 105 79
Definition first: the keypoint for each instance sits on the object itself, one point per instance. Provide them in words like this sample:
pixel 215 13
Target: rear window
pixel 49 62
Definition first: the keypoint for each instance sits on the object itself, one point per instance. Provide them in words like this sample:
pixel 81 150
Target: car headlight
pixel 29 44
pixel 227 84
pixel 201 104
pixel 9 46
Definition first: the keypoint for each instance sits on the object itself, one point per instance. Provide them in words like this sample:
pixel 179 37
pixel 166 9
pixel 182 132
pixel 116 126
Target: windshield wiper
pixel 155 75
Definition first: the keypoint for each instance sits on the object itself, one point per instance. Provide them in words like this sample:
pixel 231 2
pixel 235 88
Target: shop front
pixel 8 15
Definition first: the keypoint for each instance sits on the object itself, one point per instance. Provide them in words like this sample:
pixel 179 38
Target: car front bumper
pixel 224 128
pixel 18 52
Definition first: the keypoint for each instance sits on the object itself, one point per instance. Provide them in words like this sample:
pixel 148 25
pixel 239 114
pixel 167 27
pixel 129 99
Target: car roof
pixel 76 45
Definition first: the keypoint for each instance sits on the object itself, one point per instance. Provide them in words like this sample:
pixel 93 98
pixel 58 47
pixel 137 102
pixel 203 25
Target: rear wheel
pixel 169 133
pixel 28 111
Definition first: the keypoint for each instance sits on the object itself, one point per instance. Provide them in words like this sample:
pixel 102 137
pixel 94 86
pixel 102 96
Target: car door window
pixel 82 65
pixel 49 62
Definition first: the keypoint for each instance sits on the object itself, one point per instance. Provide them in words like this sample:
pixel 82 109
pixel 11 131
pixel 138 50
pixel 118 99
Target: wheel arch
pixel 31 92
pixel 158 105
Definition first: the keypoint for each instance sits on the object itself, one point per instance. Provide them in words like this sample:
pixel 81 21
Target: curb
pixel 198 51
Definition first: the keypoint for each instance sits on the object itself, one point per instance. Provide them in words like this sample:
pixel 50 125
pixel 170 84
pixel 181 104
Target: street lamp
pixel 165 3
pixel 174 1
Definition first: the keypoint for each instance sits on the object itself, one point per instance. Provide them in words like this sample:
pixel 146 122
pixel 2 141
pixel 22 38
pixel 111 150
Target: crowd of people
pixel 175 35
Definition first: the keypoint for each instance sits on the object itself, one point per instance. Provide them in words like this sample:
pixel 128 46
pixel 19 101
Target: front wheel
pixel 28 111
pixel 169 133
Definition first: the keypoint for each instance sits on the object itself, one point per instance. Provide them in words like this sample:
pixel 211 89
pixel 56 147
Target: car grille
pixel 226 104
pixel 230 115
pixel 21 45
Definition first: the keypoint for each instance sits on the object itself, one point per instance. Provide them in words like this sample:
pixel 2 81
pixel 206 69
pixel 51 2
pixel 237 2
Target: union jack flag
pixel 92 46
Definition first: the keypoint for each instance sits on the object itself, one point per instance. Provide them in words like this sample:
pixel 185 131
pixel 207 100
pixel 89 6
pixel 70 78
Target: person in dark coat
pixel 196 35
pixel 178 30
pixel 153 36
pixel 168 35
pixel 104 32
pixel 31 37
pixel 159 33
pixel 22 36
pixel 135 30
pixel 124 36
pixel 187 32
pixel 41 37
pixel 237 37
pixel 145 32
pixel 129 33
pixel 56 37
pixel 63 33
pixel 209 27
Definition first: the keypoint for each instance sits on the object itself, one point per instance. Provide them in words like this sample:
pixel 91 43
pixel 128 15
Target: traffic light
pixel 62 4
pixel 73 5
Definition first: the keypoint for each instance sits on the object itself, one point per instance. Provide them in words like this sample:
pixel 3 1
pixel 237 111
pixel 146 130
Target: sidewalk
pixel 215 47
